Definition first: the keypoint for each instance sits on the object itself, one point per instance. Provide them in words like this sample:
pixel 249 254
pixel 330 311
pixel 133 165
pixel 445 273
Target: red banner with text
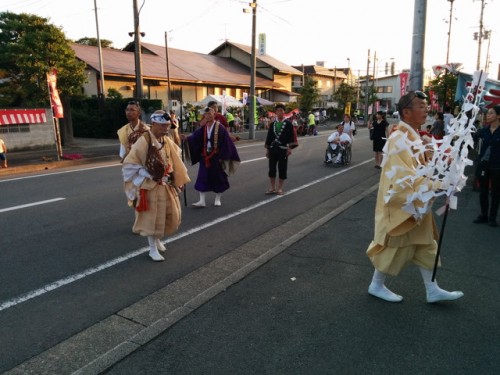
pixel 55 101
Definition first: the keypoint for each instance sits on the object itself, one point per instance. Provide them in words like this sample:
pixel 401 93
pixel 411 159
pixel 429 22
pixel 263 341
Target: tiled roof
pixel 184 66
pixel 269 60
pixel 321 70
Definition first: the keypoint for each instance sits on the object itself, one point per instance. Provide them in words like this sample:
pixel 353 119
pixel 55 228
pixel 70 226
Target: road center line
pixel 30 204
pixel 90 271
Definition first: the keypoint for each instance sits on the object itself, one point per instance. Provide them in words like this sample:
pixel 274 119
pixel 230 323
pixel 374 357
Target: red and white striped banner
pixel 22 116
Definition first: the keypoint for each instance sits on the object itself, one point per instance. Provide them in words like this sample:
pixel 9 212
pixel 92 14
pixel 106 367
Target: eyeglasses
pixel 416 94
pixel 133 103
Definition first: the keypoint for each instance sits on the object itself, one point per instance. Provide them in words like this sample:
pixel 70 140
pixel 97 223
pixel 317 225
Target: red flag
pixel 403 79
pixel 55 101
pixel 434 100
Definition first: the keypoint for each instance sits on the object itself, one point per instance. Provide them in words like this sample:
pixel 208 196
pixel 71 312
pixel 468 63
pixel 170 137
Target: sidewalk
pixel 307 311
pixel 302 307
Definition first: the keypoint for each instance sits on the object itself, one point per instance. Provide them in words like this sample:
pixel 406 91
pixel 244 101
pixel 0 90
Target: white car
pixel 395 114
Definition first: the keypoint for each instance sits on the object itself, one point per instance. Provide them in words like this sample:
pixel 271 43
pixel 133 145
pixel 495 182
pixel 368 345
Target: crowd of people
pixel 154 157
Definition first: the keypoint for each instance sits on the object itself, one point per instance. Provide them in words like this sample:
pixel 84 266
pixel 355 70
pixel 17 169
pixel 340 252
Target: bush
pixel 93 118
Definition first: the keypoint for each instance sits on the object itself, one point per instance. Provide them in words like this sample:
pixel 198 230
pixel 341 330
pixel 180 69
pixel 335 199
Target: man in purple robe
pixel 212 147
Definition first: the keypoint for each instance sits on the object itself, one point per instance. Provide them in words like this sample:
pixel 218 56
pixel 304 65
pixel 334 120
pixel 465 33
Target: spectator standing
pixel 349 126
pixel 3 154
pixel 311 124
pixel 488 169
pixel 281 139
pixel 437 129
pixel 400 236
pixel 230 121
pixel 379 134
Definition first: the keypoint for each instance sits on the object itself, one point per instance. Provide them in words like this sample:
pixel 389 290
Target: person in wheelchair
pixel 337 142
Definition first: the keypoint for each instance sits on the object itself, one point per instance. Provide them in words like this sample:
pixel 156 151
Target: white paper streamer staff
pixel 451 157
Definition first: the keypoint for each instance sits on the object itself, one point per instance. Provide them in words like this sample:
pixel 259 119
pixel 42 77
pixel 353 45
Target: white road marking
pixel 90 271
pixel 30 204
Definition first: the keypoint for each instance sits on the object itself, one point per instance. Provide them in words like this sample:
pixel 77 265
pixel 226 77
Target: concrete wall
pixel 29 136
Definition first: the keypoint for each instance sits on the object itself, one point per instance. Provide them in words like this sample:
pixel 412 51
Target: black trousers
pixel 486 177
pixel 278 158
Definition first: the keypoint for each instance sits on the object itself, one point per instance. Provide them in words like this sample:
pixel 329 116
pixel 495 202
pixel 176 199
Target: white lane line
pixel 30 204
pixel 56 173
pixel 70 279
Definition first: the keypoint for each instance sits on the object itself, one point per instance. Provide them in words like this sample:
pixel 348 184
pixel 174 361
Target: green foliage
pixel 87 41
pixel 114 94
pixel 309 95
pixel 30 49
pixel 345 94
pixel 93 118
pixel 444 86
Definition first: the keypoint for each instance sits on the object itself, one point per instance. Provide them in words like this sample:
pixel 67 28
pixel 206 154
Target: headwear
pixel 160 118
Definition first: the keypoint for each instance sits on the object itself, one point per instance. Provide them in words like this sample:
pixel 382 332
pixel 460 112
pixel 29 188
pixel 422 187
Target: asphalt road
pixel 69 259
pixel 272 286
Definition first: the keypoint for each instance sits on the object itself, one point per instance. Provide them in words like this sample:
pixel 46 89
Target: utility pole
pixel 365 117
pixel 418 46
pixel 101 68
pixel 168 72
pixel 138 53
pixel 449 32
pixel 480 37
pixel 251 114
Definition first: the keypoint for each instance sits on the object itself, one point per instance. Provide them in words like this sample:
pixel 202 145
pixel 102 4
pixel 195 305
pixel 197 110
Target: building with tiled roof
pixel 192 75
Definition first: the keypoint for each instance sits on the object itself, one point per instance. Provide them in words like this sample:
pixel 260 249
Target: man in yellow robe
pixel 405 230
pixel 154 174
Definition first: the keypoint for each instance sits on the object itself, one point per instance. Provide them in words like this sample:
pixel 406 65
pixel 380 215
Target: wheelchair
pixel 345 155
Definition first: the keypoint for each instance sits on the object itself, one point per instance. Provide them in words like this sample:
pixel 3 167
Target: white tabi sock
pixel 153 250
pixel 201 202
pixel 434 292
pixel 217 202
pixel 378 289
pixel 159 245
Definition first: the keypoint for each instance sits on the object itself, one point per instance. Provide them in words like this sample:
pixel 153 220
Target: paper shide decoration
pixel 446 159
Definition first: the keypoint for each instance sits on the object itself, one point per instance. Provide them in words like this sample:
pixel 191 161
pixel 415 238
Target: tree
pixel 345 94
pixel 309 94
pixel 31 47
pixel 444 86
pixel 87 41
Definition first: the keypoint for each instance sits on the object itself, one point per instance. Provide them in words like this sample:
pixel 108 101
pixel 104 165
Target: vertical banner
pixel 262 44
pixel 57 109
pixel 434 101
pixel 348 108
pixel 223 106
pixel 55 101
pixel 403 81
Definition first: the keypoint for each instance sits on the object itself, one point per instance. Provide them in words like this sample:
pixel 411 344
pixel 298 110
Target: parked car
pixel 395 114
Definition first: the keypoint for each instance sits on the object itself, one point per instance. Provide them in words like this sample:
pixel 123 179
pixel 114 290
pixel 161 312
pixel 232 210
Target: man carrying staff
pixel 400 236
